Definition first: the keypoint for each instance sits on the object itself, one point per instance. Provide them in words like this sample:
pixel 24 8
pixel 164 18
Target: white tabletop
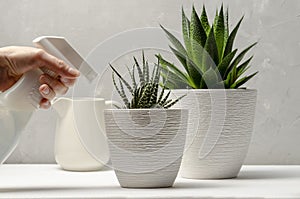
pixel 49 181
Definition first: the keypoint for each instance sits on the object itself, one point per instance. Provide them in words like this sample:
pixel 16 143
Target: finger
pixel 55 84
pixel 47 92
pixel 67 82
pixel 56 65
pixel 45 104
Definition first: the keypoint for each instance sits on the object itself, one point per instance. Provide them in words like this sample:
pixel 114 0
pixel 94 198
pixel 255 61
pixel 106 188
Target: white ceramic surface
pixel 48 182
pixel 80 127
pixel 219 131
pixel 146 145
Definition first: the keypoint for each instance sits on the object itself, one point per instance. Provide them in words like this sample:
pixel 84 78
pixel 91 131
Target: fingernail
pixel 42 77
pixel 46 90
pixel 47 104
pixel 74 72
pixel 64 80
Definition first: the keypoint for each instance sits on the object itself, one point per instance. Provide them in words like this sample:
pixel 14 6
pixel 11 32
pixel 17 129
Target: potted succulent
pixel 221 113
pixel 146 138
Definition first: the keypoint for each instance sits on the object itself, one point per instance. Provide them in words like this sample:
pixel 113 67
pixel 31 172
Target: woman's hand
pixel 15 61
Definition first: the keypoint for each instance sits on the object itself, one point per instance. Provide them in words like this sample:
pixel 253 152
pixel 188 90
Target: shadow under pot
pixel 146 145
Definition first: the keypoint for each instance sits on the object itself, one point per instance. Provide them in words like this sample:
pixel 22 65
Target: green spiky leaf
pixel 197 32
pixel 226 30
pixel 197 57
pixel 225 63
pixel 145 94
pixel 244 66
pixel 175 42
pixel 210 78
pixel 218 55
pixel 194 72
pixel 164 100
pixel 231 38
pixel 174 102
pixel 220 32
pixel 124 98
pixel 204 21
pixel 171 80
pixel 122 79
pixel 173 68
pixel 243 80
pixel 211 49
pixel 140 72
pixel 186 33
pixel 238 59
pixel 131 74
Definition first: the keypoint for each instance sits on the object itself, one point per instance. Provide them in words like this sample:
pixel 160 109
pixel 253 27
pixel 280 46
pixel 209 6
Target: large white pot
pixel 219 131
pixel 146 145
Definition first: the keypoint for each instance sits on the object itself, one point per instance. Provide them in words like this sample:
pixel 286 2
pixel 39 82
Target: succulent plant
pixel 145 93
pixel 207 55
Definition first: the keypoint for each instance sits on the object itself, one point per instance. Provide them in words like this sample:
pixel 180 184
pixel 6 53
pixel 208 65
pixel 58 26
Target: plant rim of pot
pixel 207 54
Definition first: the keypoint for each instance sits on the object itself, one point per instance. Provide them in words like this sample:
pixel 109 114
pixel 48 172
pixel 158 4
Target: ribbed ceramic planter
pixel 219 131
pixel 146 145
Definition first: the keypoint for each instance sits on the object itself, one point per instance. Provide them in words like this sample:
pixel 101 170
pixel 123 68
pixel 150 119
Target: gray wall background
pixel 274 23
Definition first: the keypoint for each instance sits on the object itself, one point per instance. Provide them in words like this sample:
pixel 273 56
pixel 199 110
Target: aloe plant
pixel 145 93
pixel 207 55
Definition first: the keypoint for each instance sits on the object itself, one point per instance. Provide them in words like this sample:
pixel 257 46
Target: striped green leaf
pixel 140 72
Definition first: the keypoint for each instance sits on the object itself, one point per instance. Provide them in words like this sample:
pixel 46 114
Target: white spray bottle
pixel 19 102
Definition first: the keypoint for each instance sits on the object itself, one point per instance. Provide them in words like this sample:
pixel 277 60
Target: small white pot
pixel 146 145
pixel 80 141
pixel 219 131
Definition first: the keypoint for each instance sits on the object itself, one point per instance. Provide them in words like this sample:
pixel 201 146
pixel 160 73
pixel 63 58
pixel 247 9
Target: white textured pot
pixel 146 145
pixel 219 131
